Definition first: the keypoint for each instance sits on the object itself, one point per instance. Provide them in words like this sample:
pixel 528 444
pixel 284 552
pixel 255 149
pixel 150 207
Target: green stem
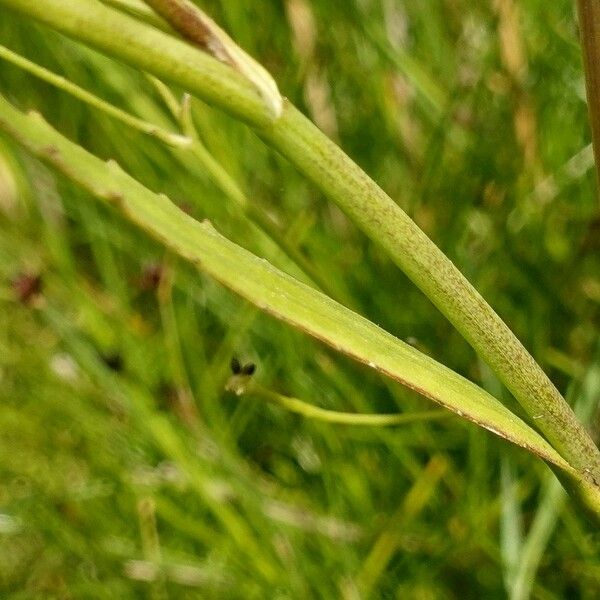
pixel 172 139
pixel 589 26
pixel 387 224
pixel 346 184
pixel 317 413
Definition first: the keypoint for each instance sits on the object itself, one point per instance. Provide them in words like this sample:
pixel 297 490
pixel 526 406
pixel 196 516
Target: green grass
pixel 115 470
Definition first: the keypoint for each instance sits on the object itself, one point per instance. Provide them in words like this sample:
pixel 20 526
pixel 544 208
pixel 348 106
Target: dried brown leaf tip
pixel 197 27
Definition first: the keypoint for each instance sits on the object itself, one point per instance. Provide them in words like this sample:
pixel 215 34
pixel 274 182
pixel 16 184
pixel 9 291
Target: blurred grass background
pixel 126 469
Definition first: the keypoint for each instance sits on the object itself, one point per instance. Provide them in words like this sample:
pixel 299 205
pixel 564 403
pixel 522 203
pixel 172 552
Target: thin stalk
pixel 345 183
pixel 169 138
pixel 310 411
pixel 167 96
pixel 589 27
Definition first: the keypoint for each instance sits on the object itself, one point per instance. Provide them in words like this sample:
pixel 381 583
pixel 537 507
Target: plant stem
pixel 589 26
pixel 345 183
pixel 310 411
pixel 169 138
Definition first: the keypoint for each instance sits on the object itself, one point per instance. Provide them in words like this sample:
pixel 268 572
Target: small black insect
pixel 238 369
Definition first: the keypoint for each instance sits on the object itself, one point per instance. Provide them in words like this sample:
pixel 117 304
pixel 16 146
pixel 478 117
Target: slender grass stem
pixel 589 26
pixel 172 139
pixel 384 222
pixel 167 96
pixel 310 411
